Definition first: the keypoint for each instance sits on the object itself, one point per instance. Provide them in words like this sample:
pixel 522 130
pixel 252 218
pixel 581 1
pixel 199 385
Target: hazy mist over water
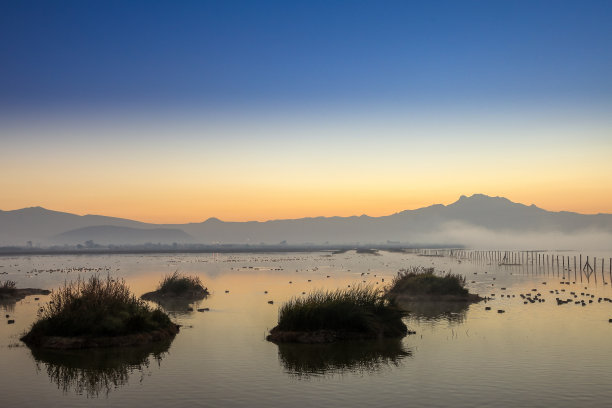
pixel 481 238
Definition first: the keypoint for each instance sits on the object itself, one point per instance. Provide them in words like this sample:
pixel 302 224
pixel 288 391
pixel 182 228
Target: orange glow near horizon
pixel 263 170
pixel 307 204
pixel 181 199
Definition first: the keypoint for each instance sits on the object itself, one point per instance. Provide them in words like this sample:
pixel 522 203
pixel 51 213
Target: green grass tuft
pixel 96 307
pixel 361 309
pixel 421 281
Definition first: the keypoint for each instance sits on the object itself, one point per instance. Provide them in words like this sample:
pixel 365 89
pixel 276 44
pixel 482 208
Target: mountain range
pixel 476 220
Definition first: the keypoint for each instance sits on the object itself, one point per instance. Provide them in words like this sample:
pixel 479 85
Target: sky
pixel 175 112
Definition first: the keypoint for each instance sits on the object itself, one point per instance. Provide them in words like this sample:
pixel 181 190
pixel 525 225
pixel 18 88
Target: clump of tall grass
pixel 360 309
pixel 420 281
pixel 177 286
pixel 95 307
pixel 177 283
pixel 8 287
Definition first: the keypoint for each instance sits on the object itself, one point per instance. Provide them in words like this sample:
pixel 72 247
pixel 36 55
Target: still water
pixel 534 354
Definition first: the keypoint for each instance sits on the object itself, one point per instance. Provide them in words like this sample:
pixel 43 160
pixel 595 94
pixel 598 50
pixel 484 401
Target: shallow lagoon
pixel 537 354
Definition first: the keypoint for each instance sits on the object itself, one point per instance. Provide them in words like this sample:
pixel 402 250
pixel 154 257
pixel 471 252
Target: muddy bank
pixel 315 337
pixel 83 342
pixel 329 336
pixel 161 297
pixel 404 297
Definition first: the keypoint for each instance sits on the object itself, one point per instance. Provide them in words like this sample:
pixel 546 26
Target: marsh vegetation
pixel 10 293
pixel 7 287
pixel 97 313
pixel 420 283
pixel 178 286
pixel 326 316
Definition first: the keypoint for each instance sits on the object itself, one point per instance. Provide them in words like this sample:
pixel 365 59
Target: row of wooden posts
pixel 534 260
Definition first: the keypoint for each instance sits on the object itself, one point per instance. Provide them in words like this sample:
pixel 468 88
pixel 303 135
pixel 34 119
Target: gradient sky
pixel 180 111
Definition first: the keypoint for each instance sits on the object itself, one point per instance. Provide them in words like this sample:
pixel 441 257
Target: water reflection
pixel 177 306
pixel 305 360
pixel 7 306
pixel 98 371
pixel 454 312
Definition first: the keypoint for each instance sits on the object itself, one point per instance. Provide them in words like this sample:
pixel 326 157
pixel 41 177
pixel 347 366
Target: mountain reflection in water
pixel 92 372
pixel 305 360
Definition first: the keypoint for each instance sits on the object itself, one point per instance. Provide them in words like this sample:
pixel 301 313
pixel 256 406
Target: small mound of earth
pixel 329 336
pixel 404 297
pixel 83 342
pixel 314 337
pixel 159 296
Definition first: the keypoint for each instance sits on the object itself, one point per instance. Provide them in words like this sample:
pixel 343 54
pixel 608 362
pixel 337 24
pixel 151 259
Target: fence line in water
pixel 532 262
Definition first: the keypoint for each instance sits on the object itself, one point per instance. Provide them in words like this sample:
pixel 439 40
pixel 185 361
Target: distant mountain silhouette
pixel 470 220
pixel 113 235
pixel 428 224
pixel 499 213
pixel 40 225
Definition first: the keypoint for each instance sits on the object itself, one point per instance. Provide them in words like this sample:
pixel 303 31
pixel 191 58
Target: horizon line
pixel 308 217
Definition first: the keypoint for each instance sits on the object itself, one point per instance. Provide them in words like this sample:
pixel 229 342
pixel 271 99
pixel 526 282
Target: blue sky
pixel 176 111
pixel 233 53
